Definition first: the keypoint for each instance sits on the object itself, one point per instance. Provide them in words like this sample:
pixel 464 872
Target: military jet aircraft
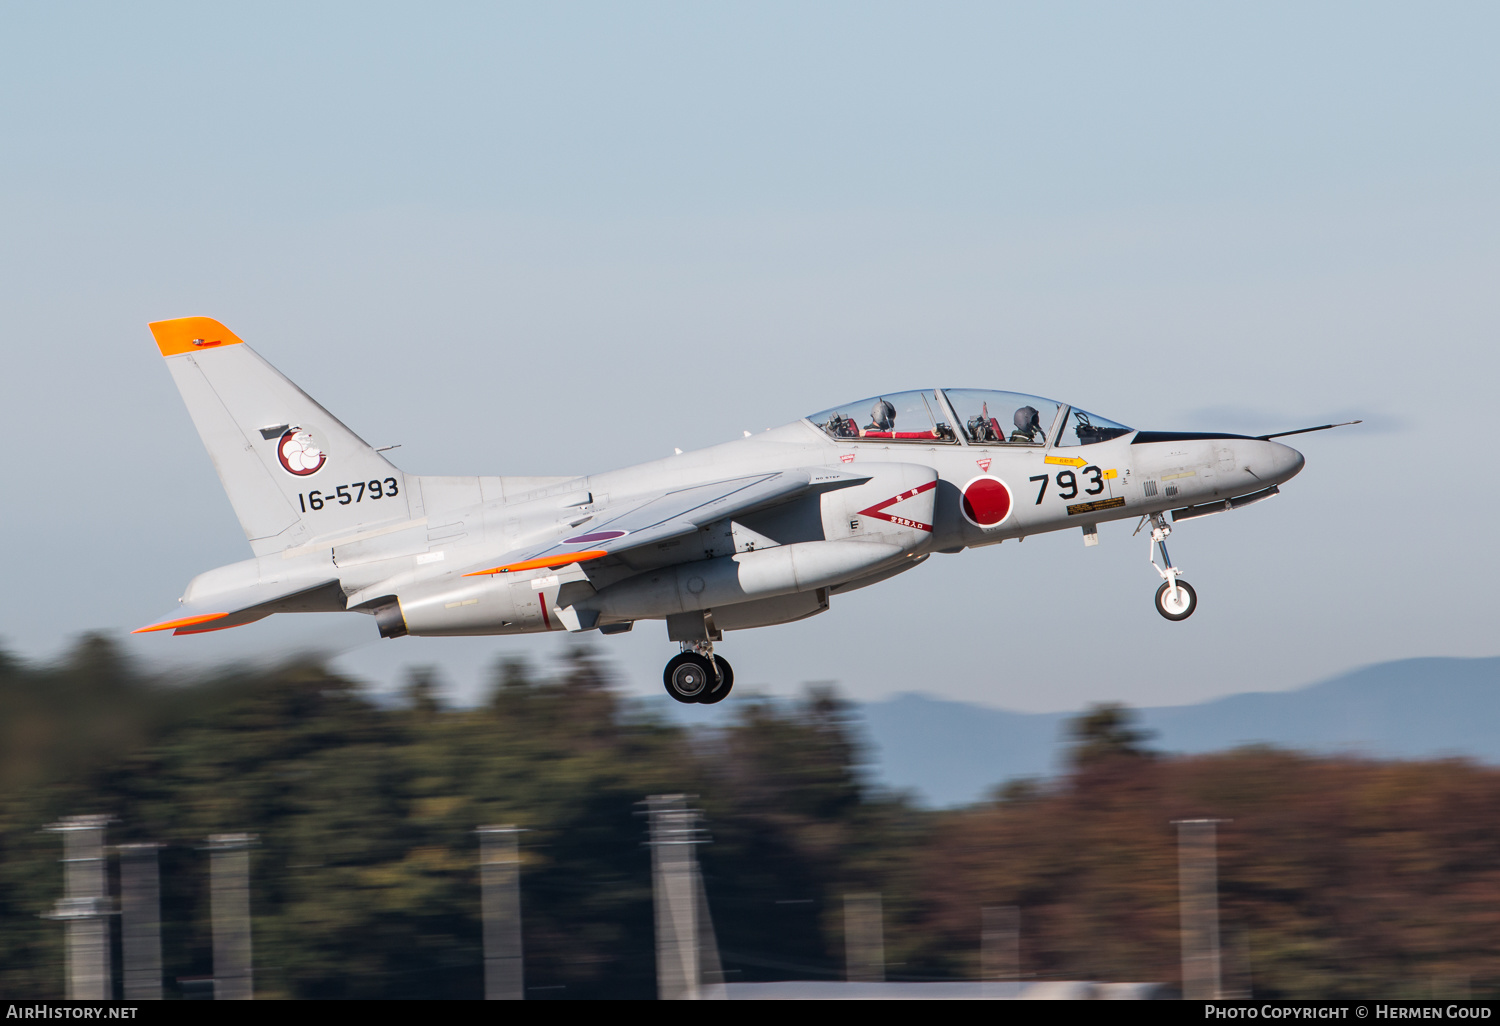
pixel 762 530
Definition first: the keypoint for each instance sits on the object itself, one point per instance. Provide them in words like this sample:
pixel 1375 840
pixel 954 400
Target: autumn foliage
pixel 1337 876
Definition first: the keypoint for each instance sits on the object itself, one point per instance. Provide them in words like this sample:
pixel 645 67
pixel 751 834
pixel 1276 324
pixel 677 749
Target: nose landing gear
pixel 1175 599
pixel 697 675
pixel 1176 603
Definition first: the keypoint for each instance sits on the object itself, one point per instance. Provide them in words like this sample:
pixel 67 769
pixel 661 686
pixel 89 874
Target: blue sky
pixel 540 239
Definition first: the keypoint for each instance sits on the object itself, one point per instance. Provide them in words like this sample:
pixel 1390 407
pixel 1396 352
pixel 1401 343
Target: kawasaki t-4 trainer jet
pixel 762 530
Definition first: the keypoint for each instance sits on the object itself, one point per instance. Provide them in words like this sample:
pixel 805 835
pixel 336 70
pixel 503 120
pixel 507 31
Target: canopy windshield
pixel 1084 428
pixel 1002 418
pixel 893 417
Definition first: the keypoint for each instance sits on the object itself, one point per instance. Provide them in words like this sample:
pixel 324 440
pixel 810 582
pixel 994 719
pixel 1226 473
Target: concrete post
pixel 1198 897
pixel 500 883
pixel 1000 951
pixel 140 921
pixel 85 907
pixel 864 938
pixel 230 870
pixel 687 957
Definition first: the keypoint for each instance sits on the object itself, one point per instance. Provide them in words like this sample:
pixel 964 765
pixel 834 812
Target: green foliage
pixel 1105 733
pixel 365 877
pixel 1337 877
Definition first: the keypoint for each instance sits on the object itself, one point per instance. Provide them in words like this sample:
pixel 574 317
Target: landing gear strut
pixel 697 675
pixel 1175 599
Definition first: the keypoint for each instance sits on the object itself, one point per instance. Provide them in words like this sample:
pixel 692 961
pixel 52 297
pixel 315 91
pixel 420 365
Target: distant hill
pixel 952 753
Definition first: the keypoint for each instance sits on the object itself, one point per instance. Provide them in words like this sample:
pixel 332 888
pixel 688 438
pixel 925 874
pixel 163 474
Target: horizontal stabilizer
pixel 235 609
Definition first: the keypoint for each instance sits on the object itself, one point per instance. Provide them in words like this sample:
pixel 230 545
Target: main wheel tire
pixel 1178 605
pixel 688 677
pixel 726 677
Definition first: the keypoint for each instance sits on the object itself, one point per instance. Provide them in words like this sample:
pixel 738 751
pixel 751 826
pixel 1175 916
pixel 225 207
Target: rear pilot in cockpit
pixel 1028 425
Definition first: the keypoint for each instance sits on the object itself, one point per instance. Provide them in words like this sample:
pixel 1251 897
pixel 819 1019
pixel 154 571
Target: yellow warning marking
pixel 1098 506
pixel 1111 474
pixel 1066 461
pixel 1174 477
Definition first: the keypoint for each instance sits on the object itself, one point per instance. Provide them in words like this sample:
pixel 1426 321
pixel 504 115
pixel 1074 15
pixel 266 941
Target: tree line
pixel 1338 876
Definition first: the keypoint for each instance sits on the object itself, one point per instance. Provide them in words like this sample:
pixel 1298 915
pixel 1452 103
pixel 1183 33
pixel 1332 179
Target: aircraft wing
pixel 675 514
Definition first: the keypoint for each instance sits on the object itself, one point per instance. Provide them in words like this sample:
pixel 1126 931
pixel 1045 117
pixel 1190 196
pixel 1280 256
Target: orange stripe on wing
pixel 186 621
pixel 562 559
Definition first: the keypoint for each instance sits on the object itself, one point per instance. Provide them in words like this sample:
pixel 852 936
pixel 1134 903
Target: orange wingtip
pixel 190 335
pixel 562 559
pixel 186 621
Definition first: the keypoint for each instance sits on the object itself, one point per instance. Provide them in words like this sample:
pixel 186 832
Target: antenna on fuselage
pixel 1303 431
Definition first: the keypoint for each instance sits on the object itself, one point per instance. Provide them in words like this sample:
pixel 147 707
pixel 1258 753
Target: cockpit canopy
pixel 1003 418
pixel 982 417
pixel 894 417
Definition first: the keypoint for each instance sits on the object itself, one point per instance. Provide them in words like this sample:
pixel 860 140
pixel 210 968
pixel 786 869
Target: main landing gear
pixel 697 675
pixel 1175 599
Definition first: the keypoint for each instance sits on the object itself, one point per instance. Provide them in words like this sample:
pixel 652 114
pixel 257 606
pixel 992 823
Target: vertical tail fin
pixel 293 472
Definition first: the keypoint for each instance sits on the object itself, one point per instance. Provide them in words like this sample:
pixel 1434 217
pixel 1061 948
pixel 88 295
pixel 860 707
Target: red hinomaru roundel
pixel 986 501
pixel 299 454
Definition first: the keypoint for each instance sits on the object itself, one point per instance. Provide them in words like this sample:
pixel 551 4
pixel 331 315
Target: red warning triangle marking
pixel 984 464
pixel 847 457
pixel 876 510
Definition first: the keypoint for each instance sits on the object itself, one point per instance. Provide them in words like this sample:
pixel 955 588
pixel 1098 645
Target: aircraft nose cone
pixel 1282 461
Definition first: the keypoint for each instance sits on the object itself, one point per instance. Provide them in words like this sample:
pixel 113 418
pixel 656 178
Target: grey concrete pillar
pixel 1198 899
pixel 140 921
pixel 687 955
pixel 864 938
pixel 85 907
pixel 1000 951
pixel 230 871
pixel 500 895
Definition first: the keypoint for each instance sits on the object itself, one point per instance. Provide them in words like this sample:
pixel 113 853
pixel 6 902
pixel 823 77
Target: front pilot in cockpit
pixel 893 417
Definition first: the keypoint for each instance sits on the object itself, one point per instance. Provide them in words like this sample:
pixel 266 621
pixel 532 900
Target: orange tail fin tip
pixel 190 334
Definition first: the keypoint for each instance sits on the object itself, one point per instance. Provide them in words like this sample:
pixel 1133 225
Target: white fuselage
pixel 772 566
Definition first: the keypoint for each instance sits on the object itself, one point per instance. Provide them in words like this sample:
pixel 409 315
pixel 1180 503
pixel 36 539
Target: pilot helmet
pixel 883 415
pixel 1027 419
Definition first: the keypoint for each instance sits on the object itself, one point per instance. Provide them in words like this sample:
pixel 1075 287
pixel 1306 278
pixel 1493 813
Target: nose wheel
pixel 1176 602
pixel 1175 599
pixel 697 676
